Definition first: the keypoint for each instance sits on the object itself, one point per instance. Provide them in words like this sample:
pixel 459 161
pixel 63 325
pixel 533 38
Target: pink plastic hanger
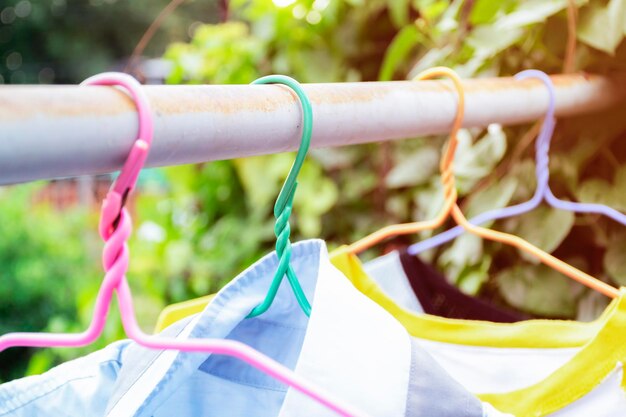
pixel 115 228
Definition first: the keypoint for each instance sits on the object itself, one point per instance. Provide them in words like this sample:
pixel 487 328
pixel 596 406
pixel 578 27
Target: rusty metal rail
pixel 60 131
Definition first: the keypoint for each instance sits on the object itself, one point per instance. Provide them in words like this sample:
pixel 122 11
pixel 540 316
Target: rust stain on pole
pixel 55 131
pixel 21 103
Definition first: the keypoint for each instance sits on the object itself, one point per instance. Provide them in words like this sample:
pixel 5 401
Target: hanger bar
pixel 64 131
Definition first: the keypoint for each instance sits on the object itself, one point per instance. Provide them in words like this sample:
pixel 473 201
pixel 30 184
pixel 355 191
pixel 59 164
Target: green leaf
pixel 449 21
pixel 488 40
pixel 596 191
pixel 431 9
pixel 473 162
pixel 414 169
pixel 316 193
pixel 601 25
pixel 614 259
pixel 601 192
pixel 539 290
pixel 398 205
pixel 466 251
pixel 223 53
pixel 524 173
pixel 563 169
pixel 432 57
pixel 40 362
pixel 495 197
pixel 544 227
pixel 356 190
pixel 532 11
pixel 472 279
pixel 399 11
pixel 315 196
pixel 485 11
pixel 398 51
pixel 428 200
pixel 336 158
pixel 262 177
pixel 178 255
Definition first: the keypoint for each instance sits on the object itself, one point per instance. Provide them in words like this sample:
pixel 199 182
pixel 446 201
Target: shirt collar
pixel 345 331
pixel 602 344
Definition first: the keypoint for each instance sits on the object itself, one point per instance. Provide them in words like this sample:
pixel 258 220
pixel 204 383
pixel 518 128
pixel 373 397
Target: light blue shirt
pixel 349 346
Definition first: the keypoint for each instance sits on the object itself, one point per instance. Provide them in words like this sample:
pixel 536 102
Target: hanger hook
pixel 284 203
pixel 446 165
pixel 520 243
pixel 544 78
pixel 542 144
pixel 289 186
pixel 446 174
pixel 126 181
pixel 115 254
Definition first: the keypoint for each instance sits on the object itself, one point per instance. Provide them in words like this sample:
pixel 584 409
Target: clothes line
pixel 60 131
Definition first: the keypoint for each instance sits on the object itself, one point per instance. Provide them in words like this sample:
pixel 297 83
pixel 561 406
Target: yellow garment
pixel 174 312
pixel 526 334
pixel 602 342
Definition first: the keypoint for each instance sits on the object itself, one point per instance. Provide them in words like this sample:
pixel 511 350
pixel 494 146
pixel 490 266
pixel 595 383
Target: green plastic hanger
pixel 284 204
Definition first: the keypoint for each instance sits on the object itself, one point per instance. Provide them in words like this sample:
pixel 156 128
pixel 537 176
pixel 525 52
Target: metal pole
pixel 59 131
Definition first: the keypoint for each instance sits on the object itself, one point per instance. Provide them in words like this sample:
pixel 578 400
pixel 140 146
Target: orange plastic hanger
pixel 448 183
pixel 451 208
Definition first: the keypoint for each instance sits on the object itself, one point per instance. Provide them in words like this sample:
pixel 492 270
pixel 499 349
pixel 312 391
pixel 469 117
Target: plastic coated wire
pixel 448 186
pixel 542 192
pixel 450 196
pixel 284 204
pixel 115 229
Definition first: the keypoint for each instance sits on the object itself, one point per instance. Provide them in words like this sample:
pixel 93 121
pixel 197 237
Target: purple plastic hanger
pixel 115 228
pixel 542 172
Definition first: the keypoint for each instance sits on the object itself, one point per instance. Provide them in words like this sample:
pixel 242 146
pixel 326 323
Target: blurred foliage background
pixel 65 41
pixel 198 226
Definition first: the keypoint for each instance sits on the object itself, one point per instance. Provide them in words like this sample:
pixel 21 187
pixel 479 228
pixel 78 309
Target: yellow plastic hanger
pixel 451 208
